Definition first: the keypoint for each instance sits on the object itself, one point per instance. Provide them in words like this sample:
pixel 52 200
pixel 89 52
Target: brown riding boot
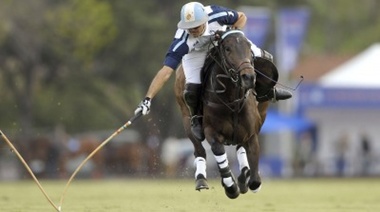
pixel 274 94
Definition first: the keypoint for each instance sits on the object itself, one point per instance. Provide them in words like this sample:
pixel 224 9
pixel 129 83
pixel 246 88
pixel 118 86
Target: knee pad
pixel 191 94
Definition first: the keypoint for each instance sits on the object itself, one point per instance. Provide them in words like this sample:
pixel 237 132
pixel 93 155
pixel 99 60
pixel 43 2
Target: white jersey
pixel 192 51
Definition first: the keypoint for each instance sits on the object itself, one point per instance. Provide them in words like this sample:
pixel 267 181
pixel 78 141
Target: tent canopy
pixel 362 71
pixel 354 84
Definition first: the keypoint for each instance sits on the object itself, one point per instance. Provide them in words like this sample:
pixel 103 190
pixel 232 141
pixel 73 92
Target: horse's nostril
pixel 248 80
pixel 247 77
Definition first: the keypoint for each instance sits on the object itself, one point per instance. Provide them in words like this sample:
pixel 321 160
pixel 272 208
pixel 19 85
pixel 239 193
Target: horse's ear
pixel 218 35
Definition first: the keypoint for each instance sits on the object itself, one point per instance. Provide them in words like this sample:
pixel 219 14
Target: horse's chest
pixel 232 131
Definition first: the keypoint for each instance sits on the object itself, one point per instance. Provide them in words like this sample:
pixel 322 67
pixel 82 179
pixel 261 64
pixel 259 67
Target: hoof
pixel 255 186
pixel 201 183
pixel 243 180
pixel 232 192
pixel 257 189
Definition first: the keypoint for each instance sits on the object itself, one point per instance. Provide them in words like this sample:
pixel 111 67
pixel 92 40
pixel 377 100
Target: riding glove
pixel 144 106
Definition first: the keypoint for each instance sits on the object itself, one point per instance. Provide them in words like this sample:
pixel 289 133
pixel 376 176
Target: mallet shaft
pixel 28 168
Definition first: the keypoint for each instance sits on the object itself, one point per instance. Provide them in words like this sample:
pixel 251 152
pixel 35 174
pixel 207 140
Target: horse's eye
pixel 227 49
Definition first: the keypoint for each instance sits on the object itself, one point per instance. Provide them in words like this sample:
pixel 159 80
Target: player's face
pixel 197 31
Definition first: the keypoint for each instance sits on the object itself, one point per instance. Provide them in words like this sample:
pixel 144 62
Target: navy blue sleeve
pixel 223 15
pixel 177 50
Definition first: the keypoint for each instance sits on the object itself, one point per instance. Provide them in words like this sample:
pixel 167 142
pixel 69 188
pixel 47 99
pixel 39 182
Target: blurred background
pixel 72 72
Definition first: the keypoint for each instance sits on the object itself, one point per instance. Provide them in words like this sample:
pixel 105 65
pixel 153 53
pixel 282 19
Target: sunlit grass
pixel 335 195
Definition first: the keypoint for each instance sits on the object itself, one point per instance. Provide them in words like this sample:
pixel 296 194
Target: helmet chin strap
pixel 201 33
pixel 204 28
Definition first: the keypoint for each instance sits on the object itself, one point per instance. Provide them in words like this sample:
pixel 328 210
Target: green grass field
pixel 146 195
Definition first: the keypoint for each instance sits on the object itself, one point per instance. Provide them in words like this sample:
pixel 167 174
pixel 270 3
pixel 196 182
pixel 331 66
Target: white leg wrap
pixel 228 181
pixel 242 158
pixel 200 166
pixel 222 160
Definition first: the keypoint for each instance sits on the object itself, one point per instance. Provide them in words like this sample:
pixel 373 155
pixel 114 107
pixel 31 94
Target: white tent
pixel 362 71
pixel 345 105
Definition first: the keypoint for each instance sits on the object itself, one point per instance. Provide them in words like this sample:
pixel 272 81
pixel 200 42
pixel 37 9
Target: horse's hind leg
pixel 244 176
pixel 199 161
pixel 199 151
pixel 200 174
pixel 228 180
pixel 200 166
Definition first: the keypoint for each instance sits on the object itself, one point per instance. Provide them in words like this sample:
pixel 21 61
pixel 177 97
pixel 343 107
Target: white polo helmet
pixel 193 14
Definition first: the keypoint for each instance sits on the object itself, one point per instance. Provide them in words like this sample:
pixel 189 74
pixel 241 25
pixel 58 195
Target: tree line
pixel 85 65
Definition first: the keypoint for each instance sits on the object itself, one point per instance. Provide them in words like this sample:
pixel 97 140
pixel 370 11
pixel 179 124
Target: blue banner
pixel 291 28
pixel 258 24
pixel 315 96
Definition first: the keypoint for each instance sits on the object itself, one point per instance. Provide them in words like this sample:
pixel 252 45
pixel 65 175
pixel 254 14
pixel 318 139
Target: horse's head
pixel 236 55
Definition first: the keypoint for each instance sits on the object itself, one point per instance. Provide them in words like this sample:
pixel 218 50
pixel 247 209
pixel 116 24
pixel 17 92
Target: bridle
pixel 230 72
pixel 229 69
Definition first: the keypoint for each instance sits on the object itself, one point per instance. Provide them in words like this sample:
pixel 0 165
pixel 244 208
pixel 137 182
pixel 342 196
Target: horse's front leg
pixel 253 154
pixel 244 168
pixel 228 180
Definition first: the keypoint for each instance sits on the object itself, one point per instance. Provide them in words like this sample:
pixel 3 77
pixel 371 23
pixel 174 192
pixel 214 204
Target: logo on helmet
pixel 189 16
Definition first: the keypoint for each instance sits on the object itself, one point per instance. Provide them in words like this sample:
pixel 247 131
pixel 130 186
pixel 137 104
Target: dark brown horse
pixel 231 114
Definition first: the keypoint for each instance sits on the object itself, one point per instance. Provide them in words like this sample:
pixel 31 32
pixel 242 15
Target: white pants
pixel 192 65
pixel 193 62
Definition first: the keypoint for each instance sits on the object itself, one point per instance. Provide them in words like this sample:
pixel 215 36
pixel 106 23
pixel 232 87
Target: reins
pixel 239 94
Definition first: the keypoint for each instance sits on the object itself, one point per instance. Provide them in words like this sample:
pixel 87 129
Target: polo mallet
pixel 28 168
pixel 94 152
